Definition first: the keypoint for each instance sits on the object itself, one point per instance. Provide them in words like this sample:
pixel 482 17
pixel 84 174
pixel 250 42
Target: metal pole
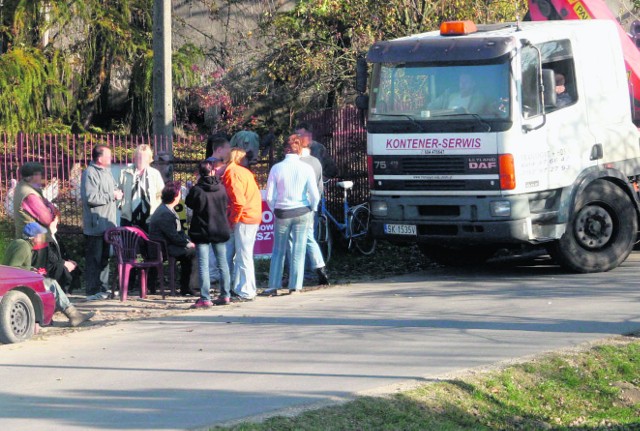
pixel 162 86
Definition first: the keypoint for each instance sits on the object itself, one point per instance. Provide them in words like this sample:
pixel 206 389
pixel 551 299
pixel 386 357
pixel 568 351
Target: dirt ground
pixel 112 311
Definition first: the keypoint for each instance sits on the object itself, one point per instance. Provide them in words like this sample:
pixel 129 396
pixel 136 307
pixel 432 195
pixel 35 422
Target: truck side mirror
pixel 362 74
pixel 549 86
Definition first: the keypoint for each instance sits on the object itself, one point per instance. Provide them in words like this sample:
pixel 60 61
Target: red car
pixel 24 300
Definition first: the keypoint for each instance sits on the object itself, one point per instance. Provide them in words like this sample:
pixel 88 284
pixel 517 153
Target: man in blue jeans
pixel 314 255
pixel 292 195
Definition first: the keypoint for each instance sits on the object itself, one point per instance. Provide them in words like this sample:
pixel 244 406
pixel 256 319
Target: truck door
pixel 557 138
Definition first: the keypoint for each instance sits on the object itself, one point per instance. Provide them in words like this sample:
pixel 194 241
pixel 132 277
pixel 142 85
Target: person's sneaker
pixel 100 296
pixel 240 299
pixel 294 291
pixel 202 303
pixel 221 301
pixel 269 292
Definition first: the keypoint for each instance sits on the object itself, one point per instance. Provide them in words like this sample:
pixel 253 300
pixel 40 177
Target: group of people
pixel 226 207
pixel 227 211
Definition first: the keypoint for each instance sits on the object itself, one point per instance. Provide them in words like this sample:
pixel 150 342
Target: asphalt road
pixel 278 354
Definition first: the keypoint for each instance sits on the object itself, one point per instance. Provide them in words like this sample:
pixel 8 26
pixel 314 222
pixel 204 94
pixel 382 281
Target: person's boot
pixel 76 317
pixel 323 279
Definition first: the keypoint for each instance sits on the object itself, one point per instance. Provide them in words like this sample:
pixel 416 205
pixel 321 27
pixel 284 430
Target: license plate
pixel 400 229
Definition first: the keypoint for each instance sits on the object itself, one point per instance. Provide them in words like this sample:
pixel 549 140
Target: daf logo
pixel 482 165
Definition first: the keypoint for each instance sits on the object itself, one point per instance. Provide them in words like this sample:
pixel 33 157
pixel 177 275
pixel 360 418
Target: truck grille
pixel 432 173
pixel 426 185
pixel 433 165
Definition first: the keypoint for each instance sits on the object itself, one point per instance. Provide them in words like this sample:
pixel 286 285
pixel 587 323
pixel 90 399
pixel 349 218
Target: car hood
pixel 16 276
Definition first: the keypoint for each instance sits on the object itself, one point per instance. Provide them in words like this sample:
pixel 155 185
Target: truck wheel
pixel 17 318
pixel 601 232
pixel 458 257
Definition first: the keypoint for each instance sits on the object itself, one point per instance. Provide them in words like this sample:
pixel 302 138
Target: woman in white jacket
pixel 142 188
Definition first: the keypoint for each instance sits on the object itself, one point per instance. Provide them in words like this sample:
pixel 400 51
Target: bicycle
pixel 354 229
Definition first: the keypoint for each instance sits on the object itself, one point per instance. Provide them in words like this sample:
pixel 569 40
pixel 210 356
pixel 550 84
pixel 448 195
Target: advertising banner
pixel 264 239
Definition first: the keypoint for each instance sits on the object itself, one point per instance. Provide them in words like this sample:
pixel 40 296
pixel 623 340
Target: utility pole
pixel 162 87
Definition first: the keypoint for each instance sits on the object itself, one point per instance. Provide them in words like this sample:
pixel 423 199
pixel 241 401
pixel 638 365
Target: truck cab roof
pixel 490 42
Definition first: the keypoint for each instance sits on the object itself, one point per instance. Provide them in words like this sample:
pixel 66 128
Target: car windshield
pixel 425 92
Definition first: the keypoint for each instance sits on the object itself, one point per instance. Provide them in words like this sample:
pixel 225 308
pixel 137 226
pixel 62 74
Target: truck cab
pixel 486 137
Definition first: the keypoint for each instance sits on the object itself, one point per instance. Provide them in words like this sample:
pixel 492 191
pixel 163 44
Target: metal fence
pixel 65 157
pixel 342 132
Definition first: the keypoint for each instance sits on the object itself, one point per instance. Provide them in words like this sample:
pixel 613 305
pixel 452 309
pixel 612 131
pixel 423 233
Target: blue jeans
pixel 213 265
pixel 314 258
pixel 314 254
pixel 62 301
pixel 296 228
pixel 231 252
pixel 220 251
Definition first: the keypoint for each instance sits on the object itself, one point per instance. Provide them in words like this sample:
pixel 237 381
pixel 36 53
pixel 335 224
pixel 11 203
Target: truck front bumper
pixel 458 220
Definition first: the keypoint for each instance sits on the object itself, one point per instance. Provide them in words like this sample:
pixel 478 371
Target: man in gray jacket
pixel 99 200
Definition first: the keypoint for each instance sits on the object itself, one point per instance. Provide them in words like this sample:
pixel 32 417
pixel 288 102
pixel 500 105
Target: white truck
pixel 473 146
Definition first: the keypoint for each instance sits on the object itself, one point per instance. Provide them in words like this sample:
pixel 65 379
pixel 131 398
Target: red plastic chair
pixel 134 249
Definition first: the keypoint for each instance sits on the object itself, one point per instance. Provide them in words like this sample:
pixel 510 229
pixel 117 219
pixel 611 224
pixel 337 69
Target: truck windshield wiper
pixel 477 117
pixel 408 117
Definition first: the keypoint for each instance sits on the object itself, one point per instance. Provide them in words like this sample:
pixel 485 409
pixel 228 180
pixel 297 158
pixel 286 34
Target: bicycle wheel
pixel 322 233
pixel 360 235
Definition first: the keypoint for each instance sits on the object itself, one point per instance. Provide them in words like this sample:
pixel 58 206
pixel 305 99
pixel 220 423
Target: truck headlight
pixel 501 208
pixel 379 208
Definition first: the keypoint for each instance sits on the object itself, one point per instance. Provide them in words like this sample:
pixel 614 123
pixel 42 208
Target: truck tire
pixel 601 232
pixel 17 318
pixel 457 257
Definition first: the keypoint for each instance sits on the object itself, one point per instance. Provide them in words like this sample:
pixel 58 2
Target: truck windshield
pixel 426 93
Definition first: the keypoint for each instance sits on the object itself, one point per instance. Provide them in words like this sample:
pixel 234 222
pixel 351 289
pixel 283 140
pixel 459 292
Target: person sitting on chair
pixel 165 225
pixel 54 259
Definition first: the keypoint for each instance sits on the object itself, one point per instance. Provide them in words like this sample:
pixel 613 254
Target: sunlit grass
pixel 596 389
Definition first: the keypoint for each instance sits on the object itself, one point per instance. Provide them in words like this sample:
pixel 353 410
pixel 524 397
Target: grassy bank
pixel 597 389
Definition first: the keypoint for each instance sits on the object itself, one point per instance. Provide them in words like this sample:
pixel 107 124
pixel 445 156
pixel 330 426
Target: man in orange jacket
pixel 245 215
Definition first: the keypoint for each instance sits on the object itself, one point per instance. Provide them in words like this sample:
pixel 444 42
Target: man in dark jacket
pixel 165 225
pixel 209 227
